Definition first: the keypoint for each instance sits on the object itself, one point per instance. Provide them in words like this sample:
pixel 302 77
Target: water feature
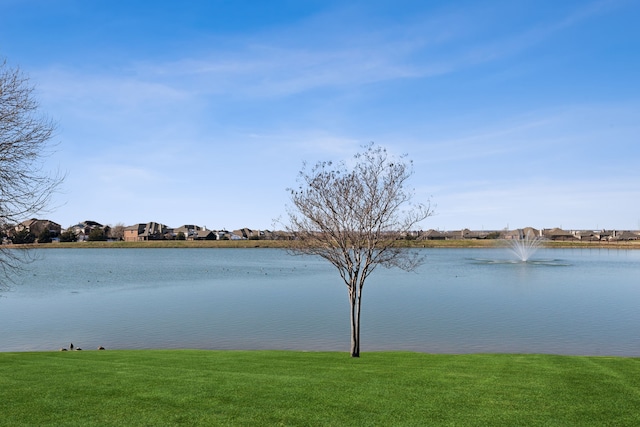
pixel 563 301
pixel 525 247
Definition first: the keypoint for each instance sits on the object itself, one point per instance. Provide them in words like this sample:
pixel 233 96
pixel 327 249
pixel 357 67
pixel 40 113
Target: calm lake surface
pixel 566 301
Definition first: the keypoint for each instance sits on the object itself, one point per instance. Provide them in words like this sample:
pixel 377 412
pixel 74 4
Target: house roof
pixel 32 221
pixel 627 235
pixel 203 233
pixel 148 229
pixel 558 232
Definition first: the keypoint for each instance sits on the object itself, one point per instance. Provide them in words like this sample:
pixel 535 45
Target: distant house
pixel 559 235
pixel 37 226
pixel 204 234
pixel 453 235
pixel 189 230
pixel 590 235
pixel 143 232
pixel 247 233
pixel 281 235
pixel 606 234
pixel 521 233
pixel 83 229
pixel 234 236
pixel 512 234
pixel 469 234
pixel 626 236
pixel 432 235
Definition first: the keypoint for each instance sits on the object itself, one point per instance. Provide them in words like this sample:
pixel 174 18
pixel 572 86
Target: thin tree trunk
pixel 358 305
pixel 355 300
pixel 355 323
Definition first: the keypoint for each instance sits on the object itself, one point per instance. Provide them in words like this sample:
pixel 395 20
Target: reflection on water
pixel 565 301
pixel 541 262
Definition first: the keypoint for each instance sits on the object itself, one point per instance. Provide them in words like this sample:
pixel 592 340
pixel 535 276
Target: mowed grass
pixel 248 388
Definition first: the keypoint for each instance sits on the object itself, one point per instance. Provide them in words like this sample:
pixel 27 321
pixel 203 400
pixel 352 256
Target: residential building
pixel 37 226
pixel 149 231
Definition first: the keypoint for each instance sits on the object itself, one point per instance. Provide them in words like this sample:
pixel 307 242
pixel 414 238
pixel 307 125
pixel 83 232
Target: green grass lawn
pixel 193 387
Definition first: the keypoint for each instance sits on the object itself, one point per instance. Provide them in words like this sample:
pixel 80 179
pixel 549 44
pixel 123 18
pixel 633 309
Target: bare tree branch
pixel 25 188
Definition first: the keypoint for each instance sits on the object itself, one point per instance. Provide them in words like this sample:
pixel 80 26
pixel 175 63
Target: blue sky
pixel 515 114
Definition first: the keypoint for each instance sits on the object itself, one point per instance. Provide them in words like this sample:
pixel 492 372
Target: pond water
pixel 564 301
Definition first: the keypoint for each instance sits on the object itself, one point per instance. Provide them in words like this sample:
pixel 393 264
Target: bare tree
pixel 117 232
pixel 25 188
pixel 353 216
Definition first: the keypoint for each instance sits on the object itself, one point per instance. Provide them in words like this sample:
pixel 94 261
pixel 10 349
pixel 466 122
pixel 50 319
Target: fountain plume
pixel 525 247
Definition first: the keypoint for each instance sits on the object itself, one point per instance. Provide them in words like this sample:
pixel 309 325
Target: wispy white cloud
pixel 485 50
pixel 275 67
pixel 85 88
pixel 572 129
pixel 268 71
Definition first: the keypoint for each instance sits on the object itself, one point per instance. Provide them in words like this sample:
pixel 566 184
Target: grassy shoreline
pixel 200 387
pixel 283 244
